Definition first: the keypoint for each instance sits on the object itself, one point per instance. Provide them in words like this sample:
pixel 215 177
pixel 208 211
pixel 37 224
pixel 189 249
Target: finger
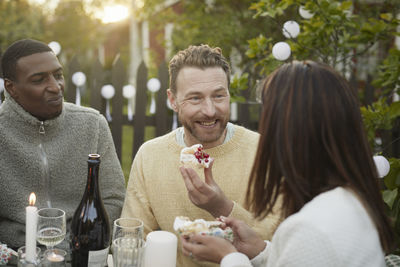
pixel 237 226
pixel 183 239
pixel 191 248
pixel 208 173
pixel 204 241
pixel 200 238
pixel 186 179
pixel 185 243
pixel 230 221
pixel 200 186
pixel 222 225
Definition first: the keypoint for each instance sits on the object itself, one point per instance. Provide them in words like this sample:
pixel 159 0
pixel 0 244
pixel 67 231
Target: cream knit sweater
pixel 157 194
pixel 332 230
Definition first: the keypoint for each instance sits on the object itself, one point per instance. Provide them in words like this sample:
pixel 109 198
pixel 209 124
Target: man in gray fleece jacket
pixel 44 143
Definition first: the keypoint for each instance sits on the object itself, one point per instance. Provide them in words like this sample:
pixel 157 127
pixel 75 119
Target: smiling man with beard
pixel 44 142
pixel 159 189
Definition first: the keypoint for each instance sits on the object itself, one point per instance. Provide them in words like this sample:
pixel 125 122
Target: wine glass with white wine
pixel 51 227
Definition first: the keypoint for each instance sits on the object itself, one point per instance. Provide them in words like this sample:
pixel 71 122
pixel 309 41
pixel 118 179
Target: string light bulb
pixel 281 51
pixel 291 29
pixel 382 165
pixel 304 13
pixel 55 46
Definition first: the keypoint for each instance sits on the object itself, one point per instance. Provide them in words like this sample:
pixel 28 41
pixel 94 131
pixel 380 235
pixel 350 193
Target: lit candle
pixel 161 249
pixel 30 229
pixel 53 257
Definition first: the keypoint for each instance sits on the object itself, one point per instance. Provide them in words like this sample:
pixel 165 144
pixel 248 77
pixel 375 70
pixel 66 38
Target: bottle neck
pixel 92 185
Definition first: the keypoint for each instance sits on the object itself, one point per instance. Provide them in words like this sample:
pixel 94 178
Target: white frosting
pixel 182 223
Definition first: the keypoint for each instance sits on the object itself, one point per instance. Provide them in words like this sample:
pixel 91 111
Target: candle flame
pixel 32 199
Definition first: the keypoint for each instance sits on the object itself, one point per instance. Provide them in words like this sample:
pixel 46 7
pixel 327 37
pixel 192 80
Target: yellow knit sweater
pixel 157 194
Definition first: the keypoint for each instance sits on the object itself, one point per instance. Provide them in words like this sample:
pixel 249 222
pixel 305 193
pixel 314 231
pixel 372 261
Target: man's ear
pixel 172 100
pixel 10 87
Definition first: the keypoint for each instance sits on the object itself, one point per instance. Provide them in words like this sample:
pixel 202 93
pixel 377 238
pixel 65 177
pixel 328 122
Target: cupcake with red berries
pixel 195 157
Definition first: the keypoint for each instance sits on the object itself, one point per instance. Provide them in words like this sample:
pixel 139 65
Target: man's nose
pixel 208 107
pixel 54 85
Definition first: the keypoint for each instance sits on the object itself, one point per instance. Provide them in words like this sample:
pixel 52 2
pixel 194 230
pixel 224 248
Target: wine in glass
pixel 51 227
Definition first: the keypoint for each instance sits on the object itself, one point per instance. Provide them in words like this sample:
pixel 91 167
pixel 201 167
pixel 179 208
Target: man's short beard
pixel 199 137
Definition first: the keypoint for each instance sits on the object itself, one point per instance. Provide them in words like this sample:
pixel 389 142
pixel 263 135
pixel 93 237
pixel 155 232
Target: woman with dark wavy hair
pixel 313 153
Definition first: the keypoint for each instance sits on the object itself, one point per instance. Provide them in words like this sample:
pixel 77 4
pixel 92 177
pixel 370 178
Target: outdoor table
pixel 14 262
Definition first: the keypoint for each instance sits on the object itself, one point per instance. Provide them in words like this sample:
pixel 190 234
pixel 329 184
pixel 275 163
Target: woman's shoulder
pixel 336 218
pixel 338 207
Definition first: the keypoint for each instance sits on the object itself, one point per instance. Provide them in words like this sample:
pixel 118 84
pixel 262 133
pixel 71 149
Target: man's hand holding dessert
pixel 204 194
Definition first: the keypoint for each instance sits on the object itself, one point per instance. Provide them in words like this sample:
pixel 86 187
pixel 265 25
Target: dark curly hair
pixel 17 50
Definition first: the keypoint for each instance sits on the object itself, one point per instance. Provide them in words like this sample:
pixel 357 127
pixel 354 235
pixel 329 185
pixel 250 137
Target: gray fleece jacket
pixel 66 141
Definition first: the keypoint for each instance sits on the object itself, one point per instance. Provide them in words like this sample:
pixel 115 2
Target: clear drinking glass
pixel 124 227
pixel 51 227
pixel 22 261
pixel 128 245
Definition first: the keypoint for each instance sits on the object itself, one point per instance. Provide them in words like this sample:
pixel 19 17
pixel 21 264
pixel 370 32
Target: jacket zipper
pixel 45 180
pixel 41 128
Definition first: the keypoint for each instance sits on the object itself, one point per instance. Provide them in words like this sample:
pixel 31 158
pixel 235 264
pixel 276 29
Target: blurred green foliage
pixel 20 20
pixel 227 24
pixel 69 23
pixel 223 23
pixel 75 29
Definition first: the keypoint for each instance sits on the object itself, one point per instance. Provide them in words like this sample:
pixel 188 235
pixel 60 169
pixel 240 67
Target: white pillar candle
pixel 161 249
pixel 30 229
